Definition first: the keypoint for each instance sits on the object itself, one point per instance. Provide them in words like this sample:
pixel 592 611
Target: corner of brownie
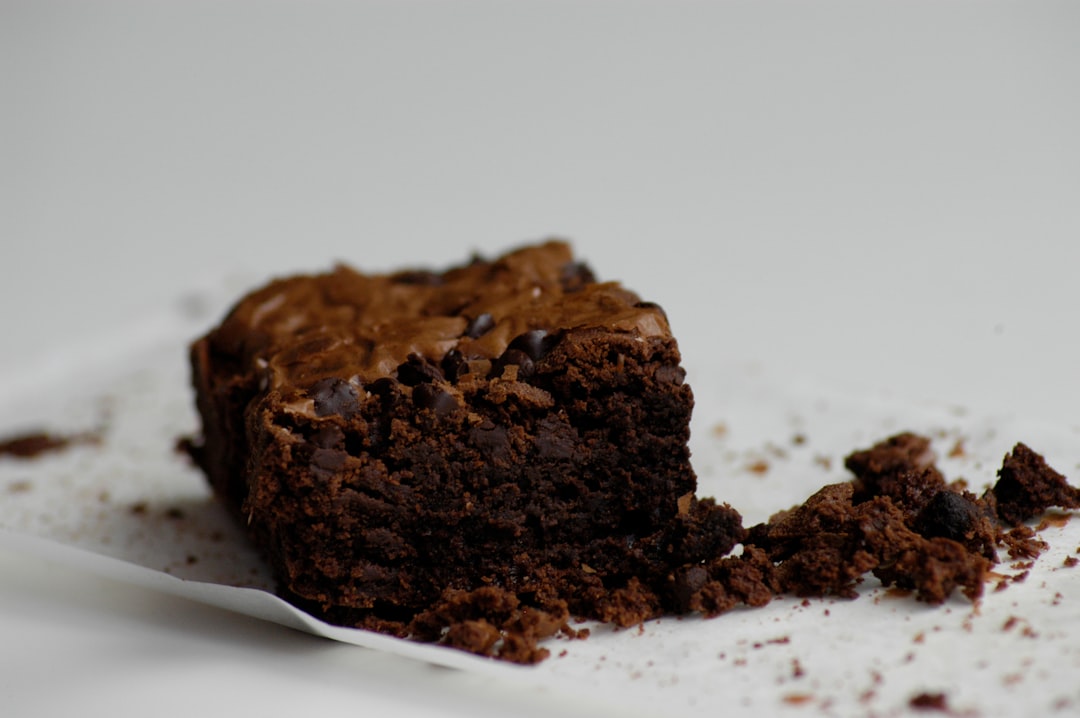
pixel 391 440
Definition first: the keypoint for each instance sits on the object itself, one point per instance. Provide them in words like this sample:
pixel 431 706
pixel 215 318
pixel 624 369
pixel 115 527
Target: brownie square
pixel 394 441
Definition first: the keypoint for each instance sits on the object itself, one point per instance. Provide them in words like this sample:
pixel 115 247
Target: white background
pixel 878 195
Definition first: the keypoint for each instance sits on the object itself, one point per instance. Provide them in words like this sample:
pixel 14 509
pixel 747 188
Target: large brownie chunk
pixel 394 440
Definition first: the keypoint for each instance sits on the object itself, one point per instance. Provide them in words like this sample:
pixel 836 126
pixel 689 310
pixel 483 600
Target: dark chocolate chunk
pixel 429 396
pixel 526 367
pixel 535 343
pixel 524 351
pixel 575 276
pixel 334 396
pixel 454 365
pixel 651 305
pixel 949 515
pixel 384 387
pixel 480 325
pixel 418 370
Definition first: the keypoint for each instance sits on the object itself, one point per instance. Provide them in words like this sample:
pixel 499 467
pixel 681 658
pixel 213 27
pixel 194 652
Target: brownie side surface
pixel 391 439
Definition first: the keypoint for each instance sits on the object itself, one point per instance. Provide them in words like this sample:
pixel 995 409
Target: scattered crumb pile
pixel 897 519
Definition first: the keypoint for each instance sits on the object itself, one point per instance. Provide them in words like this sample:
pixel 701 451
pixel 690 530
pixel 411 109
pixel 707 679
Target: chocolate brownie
pixel 471 456
pixel 451 454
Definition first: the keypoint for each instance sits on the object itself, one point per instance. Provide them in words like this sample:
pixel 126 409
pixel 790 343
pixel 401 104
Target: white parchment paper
pixel 131 507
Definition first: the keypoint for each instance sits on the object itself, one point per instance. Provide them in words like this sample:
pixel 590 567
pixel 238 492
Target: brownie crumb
pixel 1053 519
pixel 1022 542
pixel 1027 487
pixel 760 466
pixel 929 702
pixel 492 622
pixel 901 468
pixel 31 445
pixel 798 699
pixel 1071 561
pixel 190 448
pixel 958 450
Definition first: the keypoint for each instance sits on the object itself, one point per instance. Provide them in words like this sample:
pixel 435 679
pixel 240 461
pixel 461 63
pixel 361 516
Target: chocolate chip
pixel 574 276
pixel 535 343
pixel 388 390
pixel 382 386
pixel 334 396
pixel 479 326
pixel 454 365
pixel 651 305
pixel 429 396
pixel 524 351
pixel 948 515
pixel 525 364
pixel 418 370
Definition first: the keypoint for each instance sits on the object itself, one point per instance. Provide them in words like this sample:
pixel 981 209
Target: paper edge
pixel 253 602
